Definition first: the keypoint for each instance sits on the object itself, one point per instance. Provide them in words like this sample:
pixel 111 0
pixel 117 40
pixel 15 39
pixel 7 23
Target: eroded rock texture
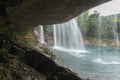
pixel 25 63
pixel 35 12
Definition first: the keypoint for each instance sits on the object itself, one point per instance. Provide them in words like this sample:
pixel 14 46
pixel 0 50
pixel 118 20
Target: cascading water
pixel 82 24
pixel 99 29
pixel 40 33
pixel 114 27
pixel 99 34
pixel 116 35
pixel 67 37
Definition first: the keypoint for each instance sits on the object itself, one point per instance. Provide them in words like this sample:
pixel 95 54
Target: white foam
pixel 99 60
pixel 77 55
pixel 71 50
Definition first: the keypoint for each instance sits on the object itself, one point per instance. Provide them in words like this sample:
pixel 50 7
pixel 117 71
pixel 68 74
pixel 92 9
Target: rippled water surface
pixel 98 63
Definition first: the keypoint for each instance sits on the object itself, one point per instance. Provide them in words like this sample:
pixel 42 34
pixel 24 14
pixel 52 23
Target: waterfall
pixel 116 36
pixel 99 30
pixel 39 33
pixel 82 24
pixel 99 34
pixel 67 37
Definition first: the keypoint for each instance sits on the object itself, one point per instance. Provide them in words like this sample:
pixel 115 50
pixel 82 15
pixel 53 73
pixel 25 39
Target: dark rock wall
pixel 25 63
pixel 35 12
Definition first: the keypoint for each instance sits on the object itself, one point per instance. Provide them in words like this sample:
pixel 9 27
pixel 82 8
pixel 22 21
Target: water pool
pixel 99 63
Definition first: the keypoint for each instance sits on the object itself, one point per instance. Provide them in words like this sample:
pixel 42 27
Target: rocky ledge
pixel 24 13
pixel 23 63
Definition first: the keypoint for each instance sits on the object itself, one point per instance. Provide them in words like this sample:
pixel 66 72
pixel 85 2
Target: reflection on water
pixel 95 64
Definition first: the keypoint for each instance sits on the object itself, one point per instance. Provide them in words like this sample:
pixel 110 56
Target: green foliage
pixel 48 30
pixel 89 25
